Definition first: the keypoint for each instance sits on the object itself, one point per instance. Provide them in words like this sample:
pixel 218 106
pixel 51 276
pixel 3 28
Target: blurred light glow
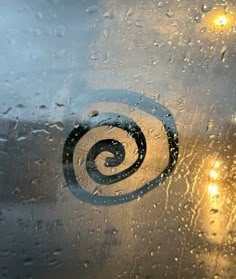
pixel 213 190
pixel 221 21
pixel 213 174
pixel 215 164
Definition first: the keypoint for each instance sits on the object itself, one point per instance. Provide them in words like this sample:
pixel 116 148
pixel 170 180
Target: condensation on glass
pixel 79 74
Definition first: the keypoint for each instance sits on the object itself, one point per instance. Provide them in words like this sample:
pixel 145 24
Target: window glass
pixel 117 140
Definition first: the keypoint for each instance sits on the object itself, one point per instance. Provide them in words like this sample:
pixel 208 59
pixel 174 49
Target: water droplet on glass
pixel 58 125
pixel 223 54
pixel 43 107
pixel 6 111
pixel 86 264
pixel 96 192
pixel 40 132
pixel 129 12
pixel 3 139
pixel 93 113
pixel 35 181
pixel 92 10
pixel 59 104
pixel 95 55
pixel 140 23
pixel 109 14
pixel 57 252
pixel 206 7
pixel 214 210
pixel 28 261
pixel 60 31
pixel 197 18
pixel 20 106
pixel 169 13
pixel 39 15
pixel 111 128
pixel 210 125
pixel 186 205
pixel 21 138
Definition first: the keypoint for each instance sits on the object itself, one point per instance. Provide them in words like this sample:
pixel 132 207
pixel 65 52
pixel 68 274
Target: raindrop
pixel 21 138
pixel 214 210
pixel 59 104
pixel 95 55
pixel 157 44
pixel 4 252
pixel 197 18
pixel 54 2
pixel 187 205
pixel 43 107
pixel 79 162
pixel 39 162
pixel 206 7
pixel 20 106
pixel 39 15
pixel 118 193
pixel 3 139
pixel 6 111
pixel 28 261
pixel 210 125
pixel 40 131
pixel 109 14
pixel 35 181
pixel 223 54
pixel 58 125
pixel 200 234
pixel 111 129
pixel 86 264
pixel 169 13
pixel 140 23
pixel 93 113
pixel 92 10
pixel 60 31
pixel 57 252
pixel 96 192
pixel 203 30
pixel 129 13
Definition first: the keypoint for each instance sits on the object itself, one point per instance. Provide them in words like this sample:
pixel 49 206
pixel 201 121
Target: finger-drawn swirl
pixel 115 147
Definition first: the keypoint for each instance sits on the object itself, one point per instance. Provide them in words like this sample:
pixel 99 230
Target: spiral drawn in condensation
pixel 116 148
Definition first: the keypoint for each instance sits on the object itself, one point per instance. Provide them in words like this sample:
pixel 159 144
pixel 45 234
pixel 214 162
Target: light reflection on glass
pixel 216 164
pixel 213 174
pixel 221 21
pixel 213 190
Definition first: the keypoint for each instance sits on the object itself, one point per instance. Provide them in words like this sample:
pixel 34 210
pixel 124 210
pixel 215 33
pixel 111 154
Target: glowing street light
pixel 221 21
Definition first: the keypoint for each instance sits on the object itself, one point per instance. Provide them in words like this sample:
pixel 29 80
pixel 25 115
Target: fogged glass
pixel 117 139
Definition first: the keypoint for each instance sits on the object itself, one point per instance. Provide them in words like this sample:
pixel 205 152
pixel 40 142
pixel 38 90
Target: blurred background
pixel 180 54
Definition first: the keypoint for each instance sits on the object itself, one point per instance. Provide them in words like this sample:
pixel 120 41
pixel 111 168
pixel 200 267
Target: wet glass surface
pixel 132 103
